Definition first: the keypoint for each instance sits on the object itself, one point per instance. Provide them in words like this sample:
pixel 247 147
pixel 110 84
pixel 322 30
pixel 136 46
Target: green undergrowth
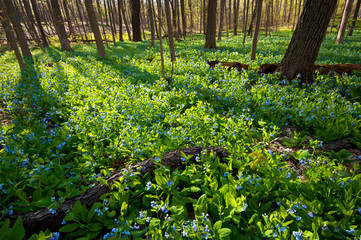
pixel 77 118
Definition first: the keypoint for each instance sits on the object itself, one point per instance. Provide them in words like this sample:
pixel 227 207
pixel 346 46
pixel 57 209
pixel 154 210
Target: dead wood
pixel 43 219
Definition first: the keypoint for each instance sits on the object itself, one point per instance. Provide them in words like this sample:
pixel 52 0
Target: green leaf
pixel 217 225
pixel 69 217
pixel 4 229
pixel 154 223
pixel 94 227
pixel 18 231
pixel 195 189
pixel 69 227
pixel 224 232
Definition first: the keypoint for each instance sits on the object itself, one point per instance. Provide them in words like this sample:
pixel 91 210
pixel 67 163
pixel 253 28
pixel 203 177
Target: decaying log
pixel 337 145
pixel 338 68
pixel 43 219
pixel 229 65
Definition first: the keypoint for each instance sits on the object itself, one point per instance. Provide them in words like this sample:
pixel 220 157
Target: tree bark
pixel 343 25
pixel 159 4
pixel 151 21
pixel 305 43
pixel 42 219
pixel 67 15
pixel 245 22
pixel 235 16
pixel 120 22
pixel 137 36
pixel 111 22
pixel 184 20
pixel 10 36
pixel 258 10
pixel 334 17
pixel 30 17
pixel 211 25
pixel 41 29
pixel 94 26
pixel 220 29
pixel 170 31
pixel 354 19
pixel 59 27
pixel 102 23
pixel 191 15
pixel 13 15
pixel 81 18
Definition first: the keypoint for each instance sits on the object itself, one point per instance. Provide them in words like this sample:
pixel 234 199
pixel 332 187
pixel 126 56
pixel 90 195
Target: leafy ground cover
pixel 73 119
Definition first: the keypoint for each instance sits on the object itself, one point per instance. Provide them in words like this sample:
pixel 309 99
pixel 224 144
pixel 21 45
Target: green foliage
pixel 78 119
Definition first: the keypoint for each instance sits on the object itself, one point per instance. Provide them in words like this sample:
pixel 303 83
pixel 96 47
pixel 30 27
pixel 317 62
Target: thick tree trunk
pixel 10 36
pixel 39 220
pixel 354 19
pixel 170 31
pixel 258 10
pixel 41 30
pixel 343 25
pixel 211 25
pixel 220 29
pixel 13 15
pixel 302 51
pixel 151 21
pixel 137 36
pixel 59 26
pixel 94 26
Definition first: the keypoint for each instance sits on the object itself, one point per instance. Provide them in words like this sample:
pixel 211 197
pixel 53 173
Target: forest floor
pixel 291 156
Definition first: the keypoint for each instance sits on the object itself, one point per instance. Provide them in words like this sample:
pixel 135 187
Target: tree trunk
pixel 268 19
pixel 70 25
pixel 343 25
pixel 30 17
pixel 305 43
pixel 151 21
pixel 354 19
pixel 290 12
pixel 102 23
pixel 137 36
pixel 41 30
pixel 254 14
pixel 246 21
pixel 334 17
pixel 13 15
pixel 81 18
pixel 120 22
pixel 59 27
pixel 204 16
pixel 223 4
pixel 258 10
pixel 179 32
pixel 159 4
pixel 230 15
pixel 43 219
pixel 211 25
pixel 170 31
pixel 184 20
pixel 114 15
pixel 94 26
pixel 191 15
pixel 125 19
pixel 10 36
pixel 235 16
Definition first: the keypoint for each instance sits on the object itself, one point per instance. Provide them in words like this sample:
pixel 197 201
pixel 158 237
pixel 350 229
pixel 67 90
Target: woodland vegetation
pixel 180 119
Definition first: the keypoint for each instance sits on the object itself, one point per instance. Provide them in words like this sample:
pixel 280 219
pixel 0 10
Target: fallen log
pixel 338 68
pixel 229 65
pixel 268 68
pixel 43 219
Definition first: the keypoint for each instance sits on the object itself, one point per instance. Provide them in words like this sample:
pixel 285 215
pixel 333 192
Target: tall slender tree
pixel 170 31
pixel 151 21
pixel 211 25
pixel 13 15
pixel 306 40
pixel 59 26
pixel 68 19
pixel 38 21
pixel 343 24
pixel 120 21
pixel 10 36
pixel 354 19
pixel 246 6
pixel 184 20
pixel 160 36
pixel 94 26
pixel 258 10
pixel 221 17
pixel 137 36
